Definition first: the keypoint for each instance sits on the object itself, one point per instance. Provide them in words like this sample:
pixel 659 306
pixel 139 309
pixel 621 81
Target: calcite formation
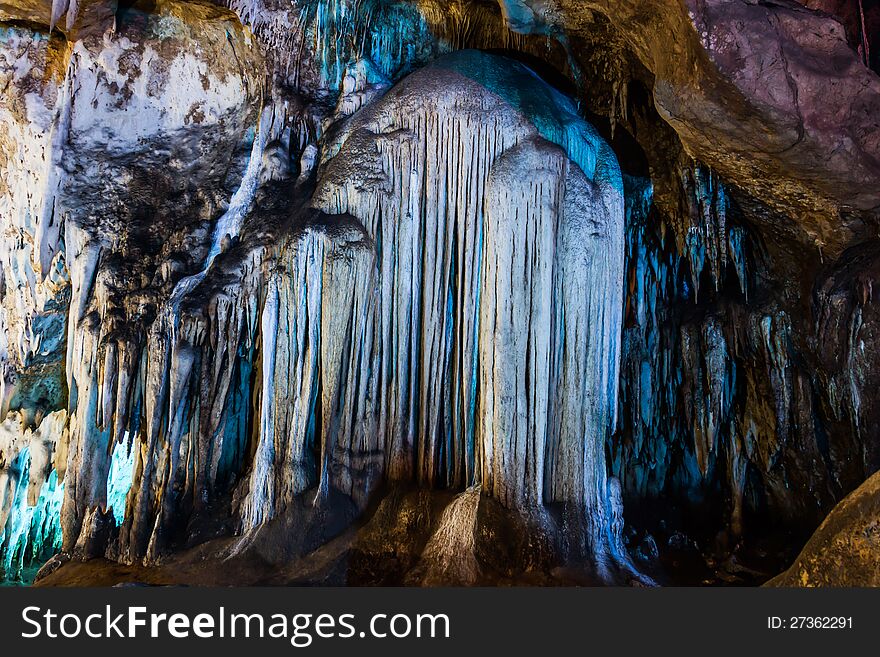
pixel 386 291
pixel 89 264
pixel 451 313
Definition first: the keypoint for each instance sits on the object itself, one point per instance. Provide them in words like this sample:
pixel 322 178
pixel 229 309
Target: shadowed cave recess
pixel 425 292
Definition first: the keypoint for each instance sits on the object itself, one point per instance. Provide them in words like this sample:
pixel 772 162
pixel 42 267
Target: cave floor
pixel 355 557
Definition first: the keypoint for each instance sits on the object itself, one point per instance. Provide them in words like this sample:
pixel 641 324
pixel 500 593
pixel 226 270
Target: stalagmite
pixel 450 555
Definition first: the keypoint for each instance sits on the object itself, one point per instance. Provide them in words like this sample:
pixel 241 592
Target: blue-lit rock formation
pixel 34 302
pixel 390 342
pixel 398 291
pixel 30 494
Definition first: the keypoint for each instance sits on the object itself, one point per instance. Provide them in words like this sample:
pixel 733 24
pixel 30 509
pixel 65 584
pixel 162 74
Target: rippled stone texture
pixel 451 314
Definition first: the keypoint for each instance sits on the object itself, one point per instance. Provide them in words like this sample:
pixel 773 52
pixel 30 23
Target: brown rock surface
pixel 771 95
pixel 845 550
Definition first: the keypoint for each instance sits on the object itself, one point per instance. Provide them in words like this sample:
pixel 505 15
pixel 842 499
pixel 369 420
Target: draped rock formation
pixel 451 313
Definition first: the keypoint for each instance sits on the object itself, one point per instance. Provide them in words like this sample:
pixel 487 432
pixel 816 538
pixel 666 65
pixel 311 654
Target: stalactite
pixel 452 315
pixel 864 46
pixel 710 380
pixel 736 245
pixel 30 493
pixel 682 388
pixel 312 43
pixel 651 366
pixel 310 322
pixel 182 106
pixel 34 294
pixel 705 207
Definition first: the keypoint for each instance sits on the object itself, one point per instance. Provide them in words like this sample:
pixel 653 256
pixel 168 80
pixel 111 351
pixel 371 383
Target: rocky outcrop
pixel 761 92
pixel 114 133
pixel 843 551
pixel 862 22
pixel 194 90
